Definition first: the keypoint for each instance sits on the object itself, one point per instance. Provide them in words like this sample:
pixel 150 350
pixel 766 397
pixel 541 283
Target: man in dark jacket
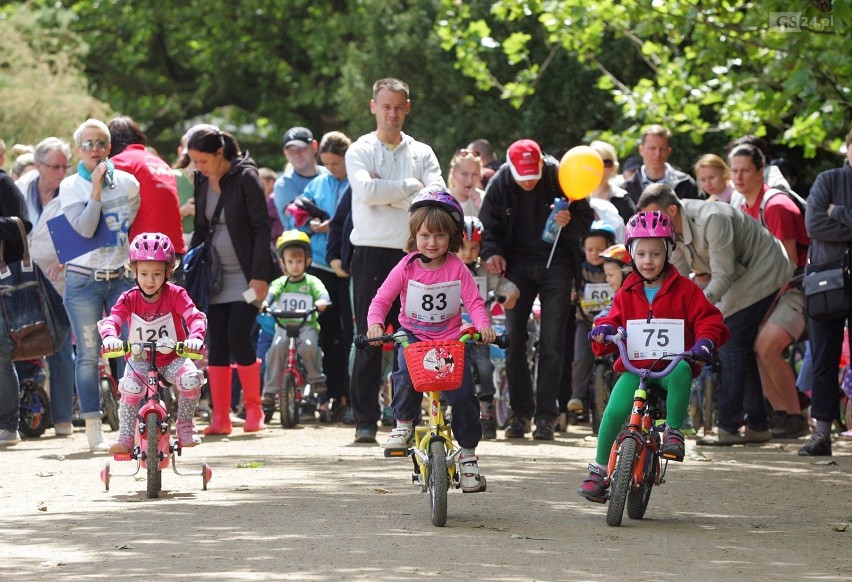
pixel 514 211
pixel 655 149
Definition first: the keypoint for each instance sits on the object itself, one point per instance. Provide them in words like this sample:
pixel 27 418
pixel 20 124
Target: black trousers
pixel 336 332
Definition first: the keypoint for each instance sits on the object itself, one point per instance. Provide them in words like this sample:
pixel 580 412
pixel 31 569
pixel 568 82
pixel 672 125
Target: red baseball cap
pixel 524 157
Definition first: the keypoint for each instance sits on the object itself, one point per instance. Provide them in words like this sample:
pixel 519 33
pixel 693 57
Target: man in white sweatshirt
pixel 386 170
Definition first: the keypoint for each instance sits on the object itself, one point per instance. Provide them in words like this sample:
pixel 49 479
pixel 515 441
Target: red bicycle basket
pixel 435 365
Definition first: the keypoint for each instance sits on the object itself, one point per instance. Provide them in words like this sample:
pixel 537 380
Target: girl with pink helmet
pixel 155 309
pixel 663 312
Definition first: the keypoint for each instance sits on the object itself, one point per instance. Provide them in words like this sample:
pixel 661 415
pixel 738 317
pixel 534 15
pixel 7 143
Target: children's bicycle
pixel 636 463
pixel 291 391
pixel 34 402
pixel 155 446
pixel 434 366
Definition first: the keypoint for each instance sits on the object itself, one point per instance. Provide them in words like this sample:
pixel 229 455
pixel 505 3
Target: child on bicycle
pixel 506 293
pixel 593 295
pixel 155 310
pixel 432 283
pixel 296 291
pixel 661 308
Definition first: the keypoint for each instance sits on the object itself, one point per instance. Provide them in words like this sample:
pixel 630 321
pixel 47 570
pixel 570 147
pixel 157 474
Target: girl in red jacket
pixel 663 312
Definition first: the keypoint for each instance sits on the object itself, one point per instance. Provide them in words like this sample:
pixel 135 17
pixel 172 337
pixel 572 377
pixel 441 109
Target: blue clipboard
pixel 70 244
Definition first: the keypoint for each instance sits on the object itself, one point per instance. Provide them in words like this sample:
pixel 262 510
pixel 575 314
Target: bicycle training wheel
pixel 289 406
pixel 439 482
pixel 620 484
pixel 34 415
pixel 637 499
pixel 601 395
pixel 152 454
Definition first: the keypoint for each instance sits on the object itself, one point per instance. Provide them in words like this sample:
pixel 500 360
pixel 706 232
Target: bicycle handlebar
pixel 137 347
pixel 303 314
pixel 362 341
pixel 618 339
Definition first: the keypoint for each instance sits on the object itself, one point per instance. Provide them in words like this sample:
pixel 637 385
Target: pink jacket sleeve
pixel 110 326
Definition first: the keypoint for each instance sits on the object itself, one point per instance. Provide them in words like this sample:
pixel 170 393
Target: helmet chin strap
pixel 149 295
pixel 420 256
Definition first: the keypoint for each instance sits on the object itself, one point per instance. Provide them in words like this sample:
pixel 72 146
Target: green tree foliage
pixel 42 86
pixel 704 69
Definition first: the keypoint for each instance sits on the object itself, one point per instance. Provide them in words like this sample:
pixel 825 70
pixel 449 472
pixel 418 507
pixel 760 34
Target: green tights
pixel 677 385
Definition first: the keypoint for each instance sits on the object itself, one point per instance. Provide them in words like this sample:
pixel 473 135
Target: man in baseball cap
pixel 300 150
pixel 524 157
pixel 298 137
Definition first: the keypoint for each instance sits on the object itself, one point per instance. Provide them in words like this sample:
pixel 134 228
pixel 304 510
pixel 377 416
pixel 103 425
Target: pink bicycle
pixel 155 446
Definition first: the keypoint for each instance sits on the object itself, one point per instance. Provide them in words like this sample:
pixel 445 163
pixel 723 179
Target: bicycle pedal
pixel 122 457
pixel 397 453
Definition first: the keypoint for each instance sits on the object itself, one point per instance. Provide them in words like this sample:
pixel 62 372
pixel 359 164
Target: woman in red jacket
pixel 663 312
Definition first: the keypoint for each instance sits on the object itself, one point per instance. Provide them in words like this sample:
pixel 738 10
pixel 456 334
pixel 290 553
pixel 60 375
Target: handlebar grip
pixel 502 341
pixel 361 341
pixel 180 350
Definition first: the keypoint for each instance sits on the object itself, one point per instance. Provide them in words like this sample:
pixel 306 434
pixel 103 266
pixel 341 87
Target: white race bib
pixel 482 285
pixel 294 302
pixel 596 296
pixel 433 303
pixel 649 340
pixel 151 331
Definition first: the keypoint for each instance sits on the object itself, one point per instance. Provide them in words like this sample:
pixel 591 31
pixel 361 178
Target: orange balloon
pixel 580 172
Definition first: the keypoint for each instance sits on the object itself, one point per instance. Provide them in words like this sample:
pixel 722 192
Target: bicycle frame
pixel 292 367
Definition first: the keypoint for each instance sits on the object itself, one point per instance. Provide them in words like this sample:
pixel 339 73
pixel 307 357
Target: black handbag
pixel 202 269
pixel 828 291
pixel 35 320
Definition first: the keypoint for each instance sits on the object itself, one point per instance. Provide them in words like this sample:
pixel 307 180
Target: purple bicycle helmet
pixel 152 246
pixel 654 224
pixel 441 198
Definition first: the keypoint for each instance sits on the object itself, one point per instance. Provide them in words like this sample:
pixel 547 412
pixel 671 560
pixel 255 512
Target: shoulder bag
pixel 828 290
pixel 202 269
pixel 34 318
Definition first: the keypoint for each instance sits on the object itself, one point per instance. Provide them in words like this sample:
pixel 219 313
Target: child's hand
pixel 321 305
pixel 488 335
pixel 375 330
pixel 112 344
pixel 599 332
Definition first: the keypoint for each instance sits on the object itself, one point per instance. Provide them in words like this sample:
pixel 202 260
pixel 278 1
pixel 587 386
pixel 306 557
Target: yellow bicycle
pixel 434 366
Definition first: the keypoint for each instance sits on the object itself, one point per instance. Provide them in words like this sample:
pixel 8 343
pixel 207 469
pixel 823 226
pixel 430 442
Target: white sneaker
pixel 470 479
pixel 576 405
pixel 95 435
pixel 400 437
pixel 9 437
pixel 63 429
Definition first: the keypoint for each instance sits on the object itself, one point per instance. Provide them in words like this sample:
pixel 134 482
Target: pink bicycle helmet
pixel 440 197
pixel 152 246
pixel 299 215
pixel 472 229
pixel 654 224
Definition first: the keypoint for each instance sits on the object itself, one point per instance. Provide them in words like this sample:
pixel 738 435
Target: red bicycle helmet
pixel 441 198
pixel 472 229
pixel 152 246
pixel 617 254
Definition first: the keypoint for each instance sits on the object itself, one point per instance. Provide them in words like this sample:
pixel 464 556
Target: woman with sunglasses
pixel 97 193
pixel 607 190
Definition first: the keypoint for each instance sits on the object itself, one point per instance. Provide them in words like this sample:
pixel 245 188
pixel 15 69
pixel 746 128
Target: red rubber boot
pixel 220 394
pixel 250 379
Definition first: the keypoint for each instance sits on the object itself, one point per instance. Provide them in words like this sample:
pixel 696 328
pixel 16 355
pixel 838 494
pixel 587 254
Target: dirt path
pixel 308 504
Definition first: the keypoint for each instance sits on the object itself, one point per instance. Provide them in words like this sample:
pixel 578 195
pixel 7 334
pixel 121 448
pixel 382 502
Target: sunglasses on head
pixel 465 153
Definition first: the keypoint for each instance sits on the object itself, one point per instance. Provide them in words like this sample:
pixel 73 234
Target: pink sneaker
pixel 186 433
pixel 122 446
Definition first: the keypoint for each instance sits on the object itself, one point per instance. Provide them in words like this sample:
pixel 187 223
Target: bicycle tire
pixel 152 456
pixel 288 404
pixel 601 395
pixel 34 415
pixel 439 482
pixel 502 410
pixel 637 499
pixel 708 404
pixel 620 484
pixel 109 403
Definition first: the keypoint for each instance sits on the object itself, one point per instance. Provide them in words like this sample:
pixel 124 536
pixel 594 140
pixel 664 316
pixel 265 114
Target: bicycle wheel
pixel 502 411
pixel 289 406
pixel 637 499
pixel 109 403
pixel 34 416
pixel 620 484
pixel 708 404
pixel 601 395
pixel 439 482
pixel 152 458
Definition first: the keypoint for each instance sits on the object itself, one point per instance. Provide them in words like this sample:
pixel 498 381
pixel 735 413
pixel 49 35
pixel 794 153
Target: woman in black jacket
pixel 241 238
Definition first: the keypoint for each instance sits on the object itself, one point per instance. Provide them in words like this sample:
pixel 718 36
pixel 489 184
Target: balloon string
pixel 553 248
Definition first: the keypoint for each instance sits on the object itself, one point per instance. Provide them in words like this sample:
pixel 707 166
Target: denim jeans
pixel 553 286
pixel 61 366
pixel 740 397
pixel 9 402
pixel 87 301
pixel 465 421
